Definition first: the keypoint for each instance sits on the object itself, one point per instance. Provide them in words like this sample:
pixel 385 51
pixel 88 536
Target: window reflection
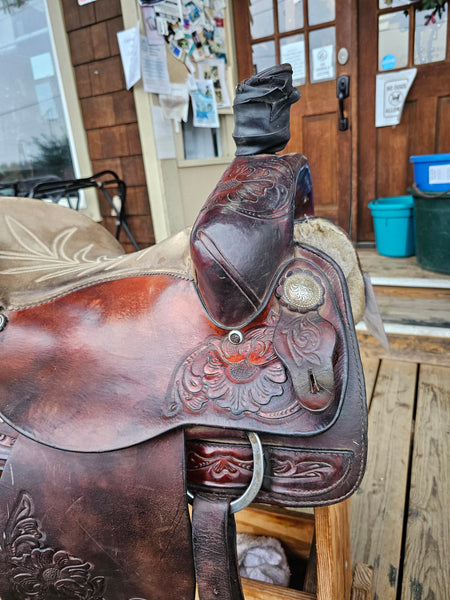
pixel 290 15
pixel 33 132
pixel 263 56
pixel 394 3
pixel 321 11
pixel 430 37
pixel 261 18
pixel 393 41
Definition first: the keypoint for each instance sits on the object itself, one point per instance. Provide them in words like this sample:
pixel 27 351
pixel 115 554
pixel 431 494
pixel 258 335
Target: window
pixel 34 132
pixel 396 20
pixel 300 33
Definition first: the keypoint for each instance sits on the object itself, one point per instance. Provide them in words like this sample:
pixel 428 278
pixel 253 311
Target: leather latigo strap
pixel 109 526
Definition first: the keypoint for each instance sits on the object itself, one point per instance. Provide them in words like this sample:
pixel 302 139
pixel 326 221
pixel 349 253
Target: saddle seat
pixel 110 363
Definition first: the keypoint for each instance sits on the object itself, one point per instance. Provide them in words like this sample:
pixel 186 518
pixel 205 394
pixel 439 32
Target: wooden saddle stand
pixel 218 367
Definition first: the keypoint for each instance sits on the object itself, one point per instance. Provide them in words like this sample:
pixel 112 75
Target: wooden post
pixel 334 573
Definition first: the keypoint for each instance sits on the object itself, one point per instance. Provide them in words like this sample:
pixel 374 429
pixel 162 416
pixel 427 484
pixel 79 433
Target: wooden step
pixel 412 300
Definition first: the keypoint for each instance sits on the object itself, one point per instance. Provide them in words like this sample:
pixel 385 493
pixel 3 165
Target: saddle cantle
pixel 131 383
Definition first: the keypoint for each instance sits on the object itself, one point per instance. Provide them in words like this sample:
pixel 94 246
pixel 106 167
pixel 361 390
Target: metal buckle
pixel 257 477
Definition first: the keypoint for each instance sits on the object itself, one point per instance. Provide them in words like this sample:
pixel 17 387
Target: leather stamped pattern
pixel 37 570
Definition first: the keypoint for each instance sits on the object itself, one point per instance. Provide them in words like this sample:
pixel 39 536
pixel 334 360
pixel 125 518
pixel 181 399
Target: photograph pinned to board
pixel 214 69
pixel 204 105
pixel 154 36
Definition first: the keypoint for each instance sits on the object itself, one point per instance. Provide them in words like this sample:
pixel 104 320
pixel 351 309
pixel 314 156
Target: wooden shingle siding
pixel 108 109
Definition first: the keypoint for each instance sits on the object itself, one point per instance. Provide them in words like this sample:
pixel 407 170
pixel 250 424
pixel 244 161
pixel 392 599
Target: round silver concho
pixel 301 291
pixel 3 322
pixel 235 337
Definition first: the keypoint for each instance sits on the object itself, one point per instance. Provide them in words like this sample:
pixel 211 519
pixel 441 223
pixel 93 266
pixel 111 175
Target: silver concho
pixel 235 337
pixel 300 290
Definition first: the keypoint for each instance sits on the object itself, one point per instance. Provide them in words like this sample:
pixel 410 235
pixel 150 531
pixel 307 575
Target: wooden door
pixel 393 35
pixel 318 37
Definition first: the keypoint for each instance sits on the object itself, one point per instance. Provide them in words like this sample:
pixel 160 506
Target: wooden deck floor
pixel 400 515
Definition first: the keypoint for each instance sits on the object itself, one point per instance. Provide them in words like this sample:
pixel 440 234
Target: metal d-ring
pixel 257 477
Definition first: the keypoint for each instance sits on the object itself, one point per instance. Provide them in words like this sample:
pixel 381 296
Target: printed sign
pixel 323 64
pixel 391 92
pixel 439 174
pixel 294 54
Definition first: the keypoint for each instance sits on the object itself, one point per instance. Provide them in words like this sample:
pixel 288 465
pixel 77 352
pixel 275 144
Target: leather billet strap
pixel 214 546
pixel 214 535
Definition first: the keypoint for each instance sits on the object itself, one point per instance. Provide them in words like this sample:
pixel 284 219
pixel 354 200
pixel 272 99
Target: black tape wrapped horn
pixel 262 109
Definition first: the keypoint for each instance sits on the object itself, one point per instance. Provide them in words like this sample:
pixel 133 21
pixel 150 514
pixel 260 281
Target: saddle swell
pixel 121 377
pixel 244 233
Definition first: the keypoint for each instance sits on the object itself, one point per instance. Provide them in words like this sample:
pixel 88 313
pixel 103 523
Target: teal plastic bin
pixel 394 224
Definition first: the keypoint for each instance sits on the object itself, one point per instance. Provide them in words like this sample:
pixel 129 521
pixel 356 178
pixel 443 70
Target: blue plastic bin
pixel 432 172
pixel 393 220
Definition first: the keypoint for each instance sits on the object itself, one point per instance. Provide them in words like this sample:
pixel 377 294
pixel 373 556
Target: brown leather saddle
pixel 221 368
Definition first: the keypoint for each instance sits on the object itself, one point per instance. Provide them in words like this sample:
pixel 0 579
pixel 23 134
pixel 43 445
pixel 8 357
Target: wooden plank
pixel 257 590
pixel 362 585
pixel 377 508
pixel 370 367
pixel 420 349
pixel 396 268
pixel 334 571
pixel 295 532
pixel 434 312
pixel 424 293
pixel 426 568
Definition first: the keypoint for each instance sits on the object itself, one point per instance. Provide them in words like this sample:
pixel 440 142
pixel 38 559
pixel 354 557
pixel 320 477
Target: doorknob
pixel 342 92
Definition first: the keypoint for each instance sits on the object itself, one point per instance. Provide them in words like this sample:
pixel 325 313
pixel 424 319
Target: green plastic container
pixel 432 213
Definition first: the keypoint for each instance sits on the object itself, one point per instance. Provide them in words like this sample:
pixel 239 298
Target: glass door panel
pixel 293 52
pixel 290 15
pixel 263 56
pixel 394 3
pixel 321 11
pixel 430 37
pixel 393 41
pixel 322 54
pixel 261 18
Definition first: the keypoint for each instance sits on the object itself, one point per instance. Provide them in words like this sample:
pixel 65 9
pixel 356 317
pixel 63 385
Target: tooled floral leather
pixel 198 379
pixel 296 472
pixel 86 526
pixel 39 571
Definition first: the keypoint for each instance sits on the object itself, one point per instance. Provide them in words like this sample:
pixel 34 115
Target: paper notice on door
pixel 294 54
pixel 323 63
pixel 391 91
